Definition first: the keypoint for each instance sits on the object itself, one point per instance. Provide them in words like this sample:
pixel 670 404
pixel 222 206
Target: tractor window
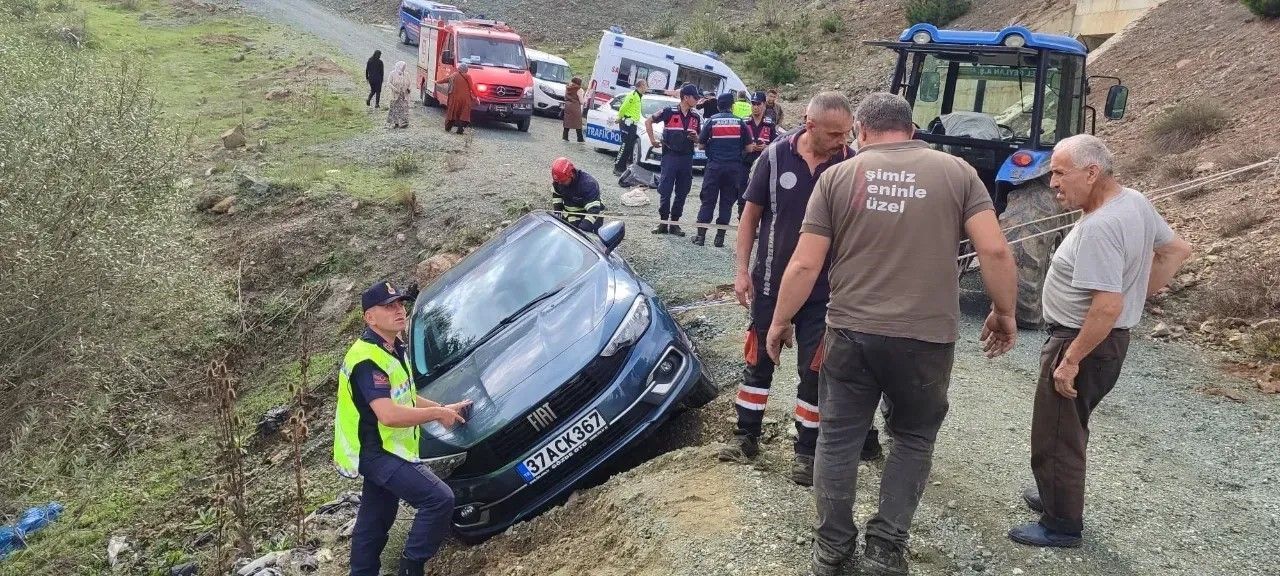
pixel 992 96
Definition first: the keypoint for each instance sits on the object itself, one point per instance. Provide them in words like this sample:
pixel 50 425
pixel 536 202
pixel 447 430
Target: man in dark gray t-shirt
pixel 1119 253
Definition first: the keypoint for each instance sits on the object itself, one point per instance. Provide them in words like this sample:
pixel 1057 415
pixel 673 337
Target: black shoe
pixel 459 130
pixel 1035 534
pixel 719 241
pixel 1031 496
pixel 802 470
pixel 742 448
pixel 675 230
pixel 661 229
pixel 700 239
pixel 871 449
pixel 882 558
pixel 820 565
pixel 411 568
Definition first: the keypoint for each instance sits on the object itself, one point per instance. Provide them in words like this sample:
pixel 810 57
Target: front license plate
pixel 561 447
pixel 501 109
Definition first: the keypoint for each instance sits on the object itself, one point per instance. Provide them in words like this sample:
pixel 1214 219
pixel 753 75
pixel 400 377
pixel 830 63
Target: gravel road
pixel 1179 482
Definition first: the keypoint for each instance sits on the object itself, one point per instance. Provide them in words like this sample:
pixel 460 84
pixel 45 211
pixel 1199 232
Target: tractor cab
pixel 1001 101
pixel 986 96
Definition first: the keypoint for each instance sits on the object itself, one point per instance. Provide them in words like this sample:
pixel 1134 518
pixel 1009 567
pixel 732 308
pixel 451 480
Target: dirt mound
pixel 313 68
pixel 628 525
pixel 222 40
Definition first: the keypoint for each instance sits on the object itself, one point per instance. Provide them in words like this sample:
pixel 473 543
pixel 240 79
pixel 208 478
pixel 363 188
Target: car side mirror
pixel 533 67
pixel 446 57
pixel 611 234
pixel 930 87
pixel 1117 100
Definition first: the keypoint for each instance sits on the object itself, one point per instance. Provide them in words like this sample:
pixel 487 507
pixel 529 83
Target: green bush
pixel 102 286
pixel 936 12
pixel 1263 8
pixel 770 12
pixel 832 24
pixel 1182 127
pixel 405 163
pixel 665 29
pixel 774 60
pixel 708 32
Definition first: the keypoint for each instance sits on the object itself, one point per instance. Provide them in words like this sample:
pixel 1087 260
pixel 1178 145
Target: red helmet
pixel 562 170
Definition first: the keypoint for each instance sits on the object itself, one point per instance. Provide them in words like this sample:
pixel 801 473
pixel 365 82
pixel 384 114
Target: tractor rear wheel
pixel 1029 202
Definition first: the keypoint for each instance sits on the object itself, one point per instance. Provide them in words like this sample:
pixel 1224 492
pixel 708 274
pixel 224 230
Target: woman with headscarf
pixel 461 99
pixel 398 117
pixel 373 73
pixel 573 108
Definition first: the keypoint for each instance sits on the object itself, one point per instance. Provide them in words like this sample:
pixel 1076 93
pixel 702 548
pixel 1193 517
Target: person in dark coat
pixel 572 117
pixel 373 73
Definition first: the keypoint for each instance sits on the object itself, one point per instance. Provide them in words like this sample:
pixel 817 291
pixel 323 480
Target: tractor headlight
pixel 1015 40
pixel 632 328
pixel 444 466
pixel 921 37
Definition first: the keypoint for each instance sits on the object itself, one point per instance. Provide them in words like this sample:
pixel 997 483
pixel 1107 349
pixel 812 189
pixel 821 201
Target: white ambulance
pixel 622 59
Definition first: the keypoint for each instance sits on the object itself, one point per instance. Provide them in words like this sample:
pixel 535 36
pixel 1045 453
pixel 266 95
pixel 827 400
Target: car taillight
pixel 1021 159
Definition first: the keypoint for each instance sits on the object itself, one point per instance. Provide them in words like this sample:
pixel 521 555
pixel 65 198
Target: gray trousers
pixel 858 368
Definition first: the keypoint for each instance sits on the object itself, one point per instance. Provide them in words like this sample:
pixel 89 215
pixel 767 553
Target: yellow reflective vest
pixel 401 442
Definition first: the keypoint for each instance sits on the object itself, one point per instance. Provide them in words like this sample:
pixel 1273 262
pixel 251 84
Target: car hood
pixel 532 357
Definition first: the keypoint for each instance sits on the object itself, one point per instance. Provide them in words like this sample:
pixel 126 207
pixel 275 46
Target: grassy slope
pixel 158 496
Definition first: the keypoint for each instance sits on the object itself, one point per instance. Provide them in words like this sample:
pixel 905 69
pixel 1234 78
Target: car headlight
pixel 632 328
pixel 444 466
pixel 528 92
pixel 550 92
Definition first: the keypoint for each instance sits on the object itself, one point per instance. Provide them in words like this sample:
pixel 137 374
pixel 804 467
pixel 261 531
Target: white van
pixel 622 59
pixel 550 77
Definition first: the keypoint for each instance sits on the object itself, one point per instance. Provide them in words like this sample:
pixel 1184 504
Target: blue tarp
pixel 15 536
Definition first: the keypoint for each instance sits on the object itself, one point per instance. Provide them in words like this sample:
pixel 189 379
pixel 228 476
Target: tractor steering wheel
pixel 1011 134
pixel 935 126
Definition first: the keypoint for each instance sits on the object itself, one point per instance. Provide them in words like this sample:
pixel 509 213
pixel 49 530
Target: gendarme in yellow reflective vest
pixel 401 442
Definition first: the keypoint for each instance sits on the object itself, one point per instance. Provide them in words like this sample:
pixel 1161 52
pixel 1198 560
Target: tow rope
pixel 1157 195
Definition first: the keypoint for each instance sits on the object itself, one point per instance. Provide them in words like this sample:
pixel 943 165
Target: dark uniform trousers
pixel 627 152
pixel 810 323
pixel 674 183
pixel 719 190
pixel 387 481
pixel 1060 425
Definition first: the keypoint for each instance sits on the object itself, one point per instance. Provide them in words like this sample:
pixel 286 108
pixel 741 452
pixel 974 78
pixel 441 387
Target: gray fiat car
pixel 569 359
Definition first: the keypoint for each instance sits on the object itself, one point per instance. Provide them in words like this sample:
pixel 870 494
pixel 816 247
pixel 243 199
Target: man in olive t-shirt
pixel 891 219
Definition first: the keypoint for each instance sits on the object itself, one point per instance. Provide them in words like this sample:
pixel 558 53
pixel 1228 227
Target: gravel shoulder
pixel 1179 482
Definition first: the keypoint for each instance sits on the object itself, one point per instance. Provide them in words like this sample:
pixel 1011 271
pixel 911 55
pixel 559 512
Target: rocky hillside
pixel 1202 79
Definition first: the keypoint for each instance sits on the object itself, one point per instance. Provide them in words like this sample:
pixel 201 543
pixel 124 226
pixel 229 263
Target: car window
pixel 651 106
pixel 616 103
pixel 489 286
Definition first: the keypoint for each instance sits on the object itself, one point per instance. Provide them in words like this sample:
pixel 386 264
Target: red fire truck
pixel 494 53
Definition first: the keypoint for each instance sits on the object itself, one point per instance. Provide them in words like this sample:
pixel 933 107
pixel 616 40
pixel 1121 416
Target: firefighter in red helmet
pixel 575 195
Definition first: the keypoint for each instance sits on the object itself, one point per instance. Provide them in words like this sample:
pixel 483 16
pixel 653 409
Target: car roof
pixel 1052 42
pixel 427 4
pixel 534 54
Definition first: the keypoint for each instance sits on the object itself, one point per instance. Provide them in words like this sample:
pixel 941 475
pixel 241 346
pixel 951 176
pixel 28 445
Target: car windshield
pixel 448 15
pixel 552 72
pixel 491 52
pixel 489 287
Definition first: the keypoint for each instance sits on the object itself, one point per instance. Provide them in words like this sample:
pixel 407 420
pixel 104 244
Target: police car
pixel 605 135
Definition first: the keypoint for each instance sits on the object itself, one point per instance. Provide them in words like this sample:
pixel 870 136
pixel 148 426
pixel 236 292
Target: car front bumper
pixel 633 405
pixel 502 110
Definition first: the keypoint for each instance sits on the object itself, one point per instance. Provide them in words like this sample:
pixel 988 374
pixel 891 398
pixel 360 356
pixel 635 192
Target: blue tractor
pixel 1001 100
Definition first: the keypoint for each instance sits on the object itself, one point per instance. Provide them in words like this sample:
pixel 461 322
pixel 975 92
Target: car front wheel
pixel 703 392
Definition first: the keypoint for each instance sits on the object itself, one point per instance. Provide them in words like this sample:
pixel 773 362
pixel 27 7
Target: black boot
pixel 661 229
pixel 411 567
pixel 701 237
pixel 719 242
pixel 675 230
pixel 448 126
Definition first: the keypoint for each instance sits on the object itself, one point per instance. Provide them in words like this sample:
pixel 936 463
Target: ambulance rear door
pixel 429 54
